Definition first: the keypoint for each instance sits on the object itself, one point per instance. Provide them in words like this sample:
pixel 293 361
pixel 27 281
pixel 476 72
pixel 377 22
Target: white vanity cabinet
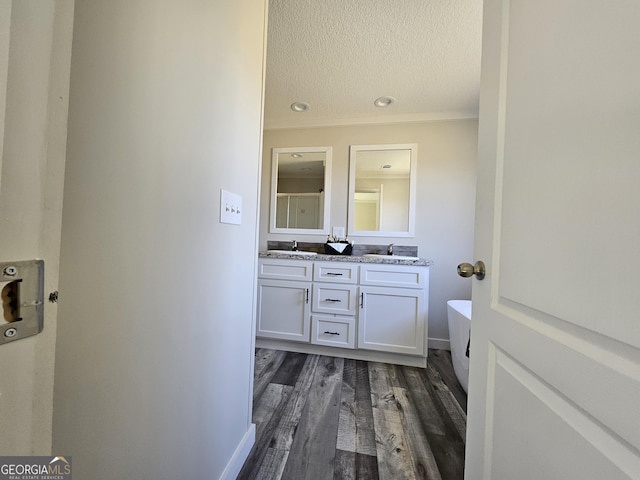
pixel 284 299
pixel 372 310
pixel 393 315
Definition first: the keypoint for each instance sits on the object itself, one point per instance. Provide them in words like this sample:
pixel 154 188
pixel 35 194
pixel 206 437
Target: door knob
pixel 467 270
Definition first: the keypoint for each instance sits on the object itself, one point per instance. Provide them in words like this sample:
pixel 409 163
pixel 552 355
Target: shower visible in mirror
pixel 300 190
pixel 382 182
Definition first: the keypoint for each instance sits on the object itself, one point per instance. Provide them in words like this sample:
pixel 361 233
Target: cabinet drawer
pixel 335 272
pixel 405 276
pixel 333 331
pixel 278 269
pixel 334 298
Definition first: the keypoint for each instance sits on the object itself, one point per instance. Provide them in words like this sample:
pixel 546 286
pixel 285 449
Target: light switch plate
pixel 230 207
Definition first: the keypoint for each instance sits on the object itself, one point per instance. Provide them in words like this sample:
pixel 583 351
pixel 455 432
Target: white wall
pixel 155 343
pixel 34 58
pixel 445 197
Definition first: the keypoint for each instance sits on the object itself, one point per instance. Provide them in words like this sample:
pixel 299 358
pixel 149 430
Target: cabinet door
pixel 392 320
pixel 284 310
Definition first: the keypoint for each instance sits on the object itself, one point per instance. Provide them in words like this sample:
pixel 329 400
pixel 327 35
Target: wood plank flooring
pixel 326 418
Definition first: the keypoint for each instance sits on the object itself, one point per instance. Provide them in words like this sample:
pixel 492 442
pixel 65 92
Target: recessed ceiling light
pixel 299 107
pixel 383 102
pixel 296 155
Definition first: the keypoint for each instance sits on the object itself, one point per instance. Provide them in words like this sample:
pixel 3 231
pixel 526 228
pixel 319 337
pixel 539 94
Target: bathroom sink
pixel 291 252
pixel 391 257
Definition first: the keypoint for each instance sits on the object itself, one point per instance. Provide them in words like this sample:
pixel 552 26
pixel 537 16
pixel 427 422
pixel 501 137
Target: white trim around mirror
pixel 325 197
pixel 410 230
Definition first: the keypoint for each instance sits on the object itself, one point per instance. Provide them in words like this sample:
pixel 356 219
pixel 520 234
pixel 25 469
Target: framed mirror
pixel 300 190
pixel 382 187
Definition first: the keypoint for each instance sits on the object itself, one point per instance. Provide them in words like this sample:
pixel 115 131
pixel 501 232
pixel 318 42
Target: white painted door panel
pixel 555 349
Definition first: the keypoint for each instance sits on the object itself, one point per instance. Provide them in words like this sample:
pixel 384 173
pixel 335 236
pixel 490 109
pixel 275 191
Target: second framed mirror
pixel 382 181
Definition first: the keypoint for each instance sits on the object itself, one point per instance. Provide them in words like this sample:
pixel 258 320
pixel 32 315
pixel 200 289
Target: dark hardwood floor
pixel 324 418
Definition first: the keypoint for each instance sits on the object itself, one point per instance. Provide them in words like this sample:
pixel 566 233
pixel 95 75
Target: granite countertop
pixel 383 259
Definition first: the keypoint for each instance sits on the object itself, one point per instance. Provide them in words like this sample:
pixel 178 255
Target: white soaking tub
pixel 459 319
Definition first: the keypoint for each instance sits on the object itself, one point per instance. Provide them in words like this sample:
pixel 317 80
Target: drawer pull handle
pixel 331 333
pixel 334 274
pixel 332 300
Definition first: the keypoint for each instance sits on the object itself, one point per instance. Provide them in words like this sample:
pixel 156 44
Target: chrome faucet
pixel 294 246
pixel 390 249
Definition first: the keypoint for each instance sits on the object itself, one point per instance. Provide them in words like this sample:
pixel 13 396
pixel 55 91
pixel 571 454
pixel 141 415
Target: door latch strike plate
pixel 22 308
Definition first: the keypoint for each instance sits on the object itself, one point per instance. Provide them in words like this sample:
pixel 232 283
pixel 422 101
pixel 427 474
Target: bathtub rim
pixel 463 307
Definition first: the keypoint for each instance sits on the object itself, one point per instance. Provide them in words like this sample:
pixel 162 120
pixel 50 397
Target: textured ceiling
pixel 338 56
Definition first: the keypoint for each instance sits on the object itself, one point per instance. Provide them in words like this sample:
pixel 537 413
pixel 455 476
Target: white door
pixel 555 348
pixel 35 51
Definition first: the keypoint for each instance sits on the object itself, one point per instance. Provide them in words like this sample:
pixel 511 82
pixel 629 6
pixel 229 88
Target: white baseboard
pixel 439 343
pixel 240 455
pixel 368 355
